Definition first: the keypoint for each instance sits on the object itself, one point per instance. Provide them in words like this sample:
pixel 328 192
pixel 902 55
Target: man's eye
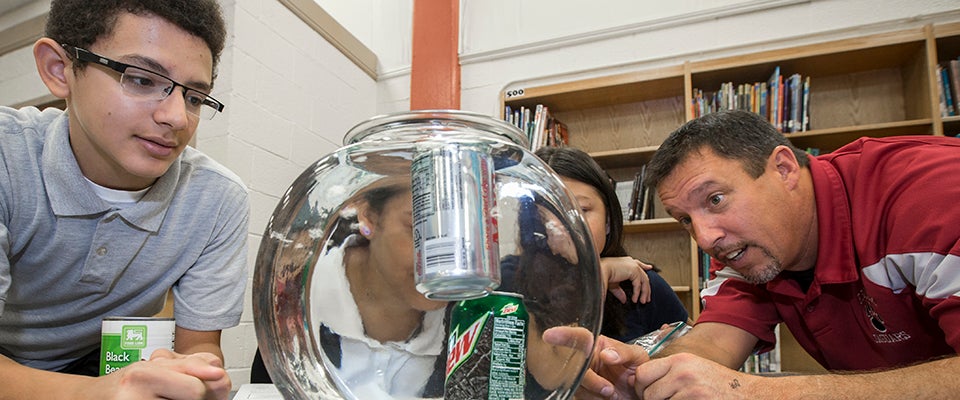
pixel 716 199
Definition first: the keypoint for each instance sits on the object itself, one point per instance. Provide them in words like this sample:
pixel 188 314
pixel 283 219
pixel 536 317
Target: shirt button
pixel 102 251
pixel 810 309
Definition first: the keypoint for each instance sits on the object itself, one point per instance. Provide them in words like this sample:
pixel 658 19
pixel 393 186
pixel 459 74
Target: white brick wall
pixel 19 82
pixel 290 98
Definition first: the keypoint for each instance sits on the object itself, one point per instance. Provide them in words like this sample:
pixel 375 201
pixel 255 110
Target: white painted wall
pixel 384 26
pixel 737 28
pixel 517 43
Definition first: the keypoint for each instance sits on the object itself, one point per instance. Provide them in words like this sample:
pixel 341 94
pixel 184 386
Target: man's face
pixel 124 142
pixel 741 221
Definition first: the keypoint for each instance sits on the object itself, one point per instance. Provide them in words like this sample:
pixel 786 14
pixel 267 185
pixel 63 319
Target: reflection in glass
pixel 336 309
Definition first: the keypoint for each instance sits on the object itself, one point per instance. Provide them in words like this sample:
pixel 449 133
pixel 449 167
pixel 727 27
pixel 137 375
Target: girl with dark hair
pixel 595 192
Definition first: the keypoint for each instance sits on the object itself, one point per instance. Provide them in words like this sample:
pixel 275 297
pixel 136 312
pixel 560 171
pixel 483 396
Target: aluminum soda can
pixel 487 348
pixel 126 340
pixel 454 230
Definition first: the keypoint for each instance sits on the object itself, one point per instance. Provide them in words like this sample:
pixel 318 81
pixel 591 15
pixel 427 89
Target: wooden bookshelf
pixel 876 85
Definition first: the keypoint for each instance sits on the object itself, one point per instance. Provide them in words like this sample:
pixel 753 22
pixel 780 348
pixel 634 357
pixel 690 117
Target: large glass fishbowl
pixel 425 259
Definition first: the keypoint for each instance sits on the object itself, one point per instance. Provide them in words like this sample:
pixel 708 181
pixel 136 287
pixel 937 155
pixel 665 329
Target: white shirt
pixel 371 369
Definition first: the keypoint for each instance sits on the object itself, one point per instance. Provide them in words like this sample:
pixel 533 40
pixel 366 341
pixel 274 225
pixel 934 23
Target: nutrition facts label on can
pixel 508 357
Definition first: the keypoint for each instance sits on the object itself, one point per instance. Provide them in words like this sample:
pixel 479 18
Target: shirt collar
pixel 836 260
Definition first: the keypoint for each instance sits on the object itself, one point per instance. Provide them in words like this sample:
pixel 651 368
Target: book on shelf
pixel 805 119
pixel 774 83
pixel 783 100
pixel 949 108
pixel 646 211
pixel 624 191
pixel 536 132
pixel 948 87
pixel 635 191
pixel 941 93
pixel 641 200
pixel 796 103
pixel 540 127
pixel 704 273
pixel 954 73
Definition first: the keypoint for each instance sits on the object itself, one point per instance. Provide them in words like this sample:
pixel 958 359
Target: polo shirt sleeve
pixel 5 240
pixel 209 296
pixel 4 264
pixel 924 252
pixel 941 293
pixel 917 241
pixel 732 301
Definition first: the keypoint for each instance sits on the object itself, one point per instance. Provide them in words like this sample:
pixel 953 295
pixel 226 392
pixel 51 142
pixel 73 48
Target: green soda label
pixel 461 346
pixel 486 349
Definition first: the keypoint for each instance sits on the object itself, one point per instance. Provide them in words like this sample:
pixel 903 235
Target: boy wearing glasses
pixel 104 208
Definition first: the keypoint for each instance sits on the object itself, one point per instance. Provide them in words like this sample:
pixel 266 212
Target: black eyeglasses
pixel 142 83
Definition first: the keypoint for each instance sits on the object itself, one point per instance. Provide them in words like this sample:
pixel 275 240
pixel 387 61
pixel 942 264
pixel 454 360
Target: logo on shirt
pixel 869 306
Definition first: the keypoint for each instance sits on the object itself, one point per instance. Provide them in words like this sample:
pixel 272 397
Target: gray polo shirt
pixel 69 259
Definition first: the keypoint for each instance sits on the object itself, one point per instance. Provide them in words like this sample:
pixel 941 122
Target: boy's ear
pixel 52 64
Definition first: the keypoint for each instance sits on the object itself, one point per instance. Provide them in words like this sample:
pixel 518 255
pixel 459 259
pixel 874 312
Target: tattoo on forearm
pixel 734 383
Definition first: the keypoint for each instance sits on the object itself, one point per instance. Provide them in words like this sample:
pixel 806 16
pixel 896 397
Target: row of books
pixel 768 362
pixel 636 200
pixel 948 82
pixel 784 101
pixel 541 128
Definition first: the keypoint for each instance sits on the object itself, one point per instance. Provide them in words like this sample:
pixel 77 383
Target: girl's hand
pixel 618 269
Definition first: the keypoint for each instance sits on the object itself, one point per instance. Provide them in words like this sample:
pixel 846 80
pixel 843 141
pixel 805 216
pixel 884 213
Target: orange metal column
pixel 435 67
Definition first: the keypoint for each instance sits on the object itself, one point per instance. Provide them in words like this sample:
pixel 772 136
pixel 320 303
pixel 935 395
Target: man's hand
pixel 685 376
pixel 611 373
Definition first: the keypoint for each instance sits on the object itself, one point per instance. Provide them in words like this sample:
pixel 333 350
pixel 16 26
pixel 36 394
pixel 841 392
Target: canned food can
pixel 487 349
pixel 124 341
pixel 454 230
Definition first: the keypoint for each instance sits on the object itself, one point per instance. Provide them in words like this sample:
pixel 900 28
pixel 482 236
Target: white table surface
pixel 258 391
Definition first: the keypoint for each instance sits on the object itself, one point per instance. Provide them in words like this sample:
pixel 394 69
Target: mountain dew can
pixel 487 348
pixel 124 341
